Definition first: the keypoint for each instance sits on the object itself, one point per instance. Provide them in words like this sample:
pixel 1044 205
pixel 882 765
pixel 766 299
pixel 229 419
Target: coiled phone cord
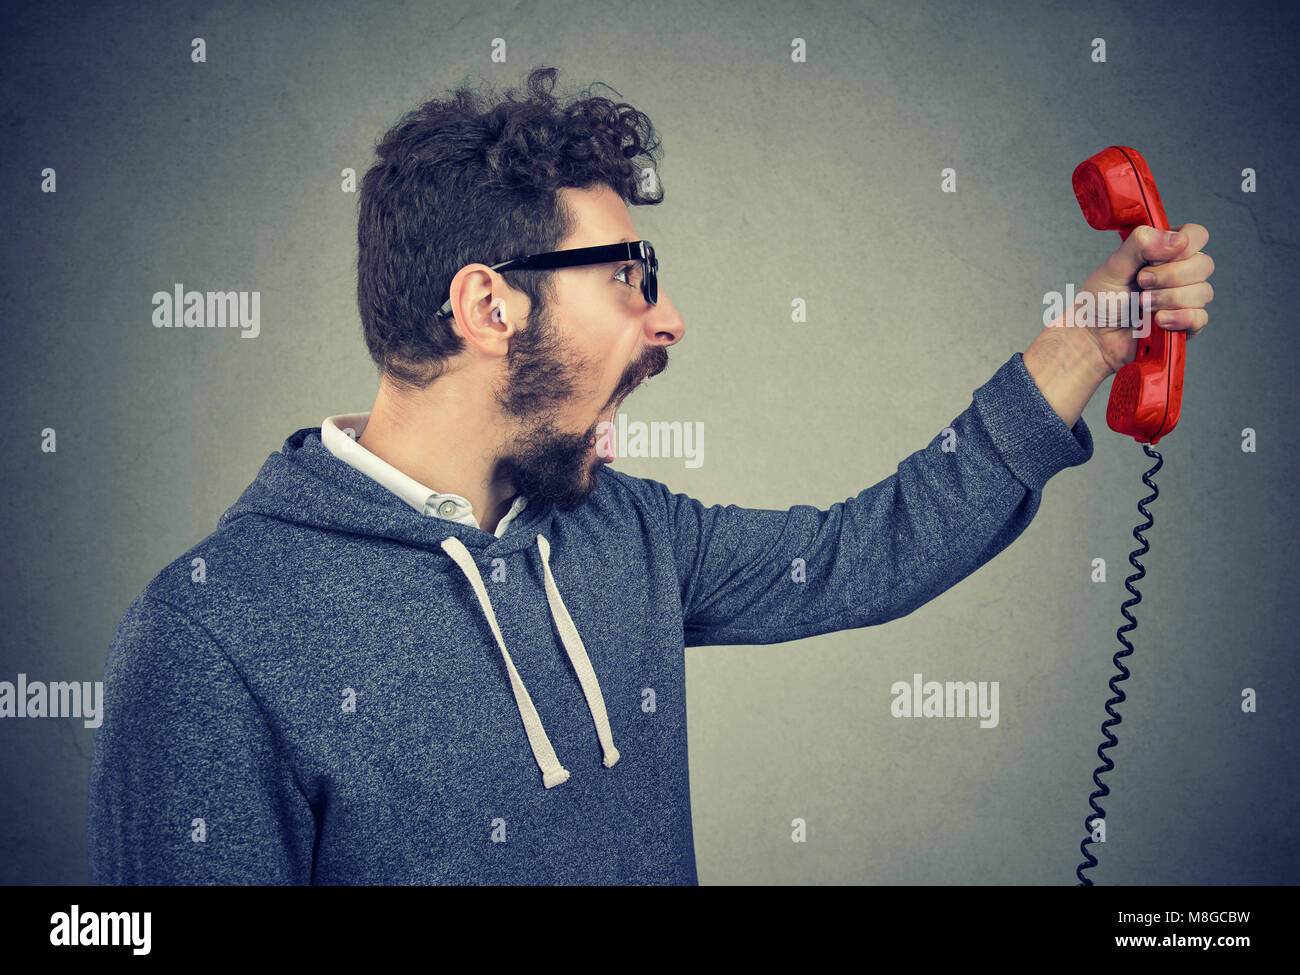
pixel 1114 719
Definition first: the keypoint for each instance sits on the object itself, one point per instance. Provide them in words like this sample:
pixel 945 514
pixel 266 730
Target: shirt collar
pixel 339 435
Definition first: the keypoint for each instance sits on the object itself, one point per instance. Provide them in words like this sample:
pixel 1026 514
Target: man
pixel 451 650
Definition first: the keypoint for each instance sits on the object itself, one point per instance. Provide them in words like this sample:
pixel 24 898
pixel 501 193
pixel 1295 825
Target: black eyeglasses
pixel 636 250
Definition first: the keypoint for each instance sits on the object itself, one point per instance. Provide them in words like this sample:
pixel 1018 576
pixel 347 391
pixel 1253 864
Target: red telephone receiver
pixel 1116 192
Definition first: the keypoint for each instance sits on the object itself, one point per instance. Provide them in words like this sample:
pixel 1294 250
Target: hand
pixel 1179 290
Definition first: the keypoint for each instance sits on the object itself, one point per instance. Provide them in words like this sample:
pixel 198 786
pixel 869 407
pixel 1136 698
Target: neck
pixel 446 438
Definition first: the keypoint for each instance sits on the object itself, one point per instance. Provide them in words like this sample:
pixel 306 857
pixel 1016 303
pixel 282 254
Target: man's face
pixel 568 370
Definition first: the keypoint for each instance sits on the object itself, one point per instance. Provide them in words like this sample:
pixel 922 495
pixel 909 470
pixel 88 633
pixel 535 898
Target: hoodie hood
pixel 306 485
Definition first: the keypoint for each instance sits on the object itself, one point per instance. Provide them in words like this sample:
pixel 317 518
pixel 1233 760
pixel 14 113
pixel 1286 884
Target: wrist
pixel 1067 367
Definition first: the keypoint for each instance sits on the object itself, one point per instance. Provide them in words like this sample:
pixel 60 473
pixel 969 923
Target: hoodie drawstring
pixel 553 773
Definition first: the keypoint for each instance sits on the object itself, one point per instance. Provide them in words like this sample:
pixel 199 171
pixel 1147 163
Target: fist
pixel 1172 272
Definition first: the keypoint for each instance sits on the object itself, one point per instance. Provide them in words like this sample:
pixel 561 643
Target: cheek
pixel 627 350
pixel 608 364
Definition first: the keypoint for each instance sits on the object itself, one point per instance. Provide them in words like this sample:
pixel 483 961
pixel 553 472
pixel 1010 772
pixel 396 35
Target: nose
pixel 664 326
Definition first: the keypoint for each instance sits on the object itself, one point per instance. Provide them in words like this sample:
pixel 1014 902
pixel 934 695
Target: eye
pixel 627 269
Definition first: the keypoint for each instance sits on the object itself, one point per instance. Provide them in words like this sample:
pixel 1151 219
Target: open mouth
pixel 613 410
pixel 605 432
pixel 626 393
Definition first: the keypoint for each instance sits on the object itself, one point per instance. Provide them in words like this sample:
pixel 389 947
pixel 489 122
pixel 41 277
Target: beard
pixel 541 461
pixel 551 467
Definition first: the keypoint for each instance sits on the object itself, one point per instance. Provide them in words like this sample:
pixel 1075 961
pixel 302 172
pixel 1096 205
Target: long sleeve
pixel 754 576
pixel 188 784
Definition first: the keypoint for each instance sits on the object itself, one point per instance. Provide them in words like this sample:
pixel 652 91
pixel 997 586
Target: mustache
pixel 657 362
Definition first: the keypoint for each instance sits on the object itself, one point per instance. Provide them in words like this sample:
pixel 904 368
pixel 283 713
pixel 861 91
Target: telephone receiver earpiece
pixel 1116 191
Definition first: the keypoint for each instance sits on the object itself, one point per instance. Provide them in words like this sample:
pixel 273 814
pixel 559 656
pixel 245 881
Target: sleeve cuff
pixel 1032 440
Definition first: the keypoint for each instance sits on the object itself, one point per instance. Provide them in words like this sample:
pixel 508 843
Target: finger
pixel 1145 245
pixel 1189 296
pixel 1197 236
pixel 1189 320
pixel 1196 268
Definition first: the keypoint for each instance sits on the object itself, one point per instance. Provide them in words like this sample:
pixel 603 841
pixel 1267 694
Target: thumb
pixel 1144 246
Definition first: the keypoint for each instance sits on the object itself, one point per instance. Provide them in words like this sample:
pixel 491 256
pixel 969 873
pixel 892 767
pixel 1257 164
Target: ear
pixel 479 315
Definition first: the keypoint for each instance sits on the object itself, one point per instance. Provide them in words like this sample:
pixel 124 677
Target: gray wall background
pixel 818 180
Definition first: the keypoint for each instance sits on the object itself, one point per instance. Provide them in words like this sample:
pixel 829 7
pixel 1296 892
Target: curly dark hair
pixel 473 179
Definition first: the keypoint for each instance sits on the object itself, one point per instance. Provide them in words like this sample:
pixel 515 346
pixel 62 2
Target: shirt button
pixel 447 508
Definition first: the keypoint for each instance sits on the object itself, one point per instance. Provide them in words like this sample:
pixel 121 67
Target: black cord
pixel 1114 719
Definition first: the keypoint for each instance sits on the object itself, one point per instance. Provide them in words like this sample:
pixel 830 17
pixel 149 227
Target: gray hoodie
pixel 334 688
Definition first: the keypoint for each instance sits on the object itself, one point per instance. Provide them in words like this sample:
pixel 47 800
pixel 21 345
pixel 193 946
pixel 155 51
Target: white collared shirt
pixel 425 500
